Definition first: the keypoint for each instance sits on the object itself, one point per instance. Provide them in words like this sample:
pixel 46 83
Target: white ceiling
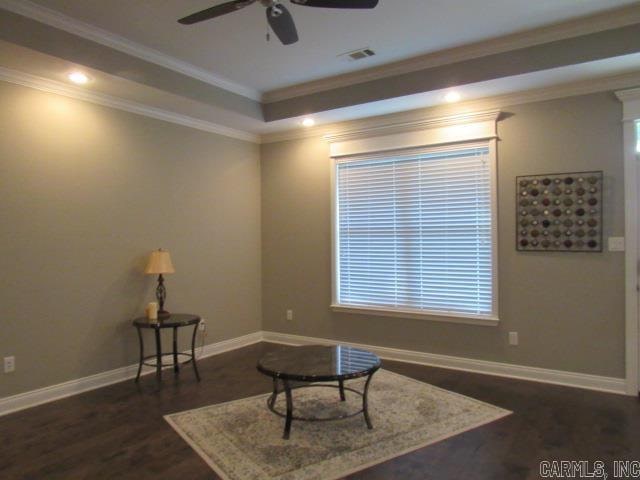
pixel 234 47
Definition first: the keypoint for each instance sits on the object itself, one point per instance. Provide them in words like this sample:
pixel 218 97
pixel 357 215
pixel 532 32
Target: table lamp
pixel 159 264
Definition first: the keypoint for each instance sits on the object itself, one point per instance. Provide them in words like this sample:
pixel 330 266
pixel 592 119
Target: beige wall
pixel 86 193
pixel 567 308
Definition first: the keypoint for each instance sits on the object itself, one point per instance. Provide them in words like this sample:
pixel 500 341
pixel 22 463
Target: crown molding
pixel 572 28
pixel 424 124
pixel 104 37
pixel 52 86
pixel 630 104
pixel 497 102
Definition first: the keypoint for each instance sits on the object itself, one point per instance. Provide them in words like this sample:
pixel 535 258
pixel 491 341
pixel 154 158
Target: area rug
pixel 242 439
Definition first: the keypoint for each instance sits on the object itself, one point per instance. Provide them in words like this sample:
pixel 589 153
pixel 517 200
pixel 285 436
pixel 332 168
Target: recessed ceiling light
pixel 308 122
pixel 452 96
pixel 78 78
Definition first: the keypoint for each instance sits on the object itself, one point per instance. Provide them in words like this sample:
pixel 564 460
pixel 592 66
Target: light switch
pixel 616 244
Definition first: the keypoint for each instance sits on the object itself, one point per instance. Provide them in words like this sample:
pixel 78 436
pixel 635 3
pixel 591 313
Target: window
pixel 415 232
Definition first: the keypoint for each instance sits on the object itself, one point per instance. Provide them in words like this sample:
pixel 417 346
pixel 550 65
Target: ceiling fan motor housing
pixel 275 10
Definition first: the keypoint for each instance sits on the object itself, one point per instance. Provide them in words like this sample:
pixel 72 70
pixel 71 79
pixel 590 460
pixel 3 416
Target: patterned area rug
pixel 242 440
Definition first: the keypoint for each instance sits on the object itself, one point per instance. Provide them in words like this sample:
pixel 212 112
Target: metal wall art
pixel 559 212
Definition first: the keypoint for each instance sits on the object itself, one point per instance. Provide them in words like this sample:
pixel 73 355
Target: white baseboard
pixel 231 344
pixel 557 377
pixel 73 387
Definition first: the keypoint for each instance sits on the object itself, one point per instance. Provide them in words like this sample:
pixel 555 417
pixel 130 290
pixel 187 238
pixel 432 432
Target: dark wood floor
pixel 118 432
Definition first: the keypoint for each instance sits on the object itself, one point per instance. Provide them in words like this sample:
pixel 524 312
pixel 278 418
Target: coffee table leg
pixel 287 424
pixel 342 397
pixel 365 403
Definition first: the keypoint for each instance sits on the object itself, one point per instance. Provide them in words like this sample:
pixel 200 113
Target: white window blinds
pixel 414 231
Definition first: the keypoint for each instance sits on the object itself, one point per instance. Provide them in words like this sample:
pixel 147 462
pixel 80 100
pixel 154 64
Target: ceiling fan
pixel 278 16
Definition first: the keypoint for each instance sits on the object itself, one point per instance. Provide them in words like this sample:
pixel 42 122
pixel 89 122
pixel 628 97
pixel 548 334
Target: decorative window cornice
pixel 631 103
pixel 431 131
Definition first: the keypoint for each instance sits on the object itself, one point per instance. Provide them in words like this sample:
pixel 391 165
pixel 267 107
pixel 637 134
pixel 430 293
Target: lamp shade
pixel 159 262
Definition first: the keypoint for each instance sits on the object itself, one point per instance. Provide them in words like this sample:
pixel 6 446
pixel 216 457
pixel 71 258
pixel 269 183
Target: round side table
pixel 174 321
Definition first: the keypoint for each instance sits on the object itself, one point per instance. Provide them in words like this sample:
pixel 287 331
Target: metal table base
pixel 289 416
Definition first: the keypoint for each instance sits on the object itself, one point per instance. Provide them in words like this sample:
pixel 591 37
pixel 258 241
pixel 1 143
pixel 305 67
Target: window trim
pixel 449 317
pixel 430 144
pixel 631 138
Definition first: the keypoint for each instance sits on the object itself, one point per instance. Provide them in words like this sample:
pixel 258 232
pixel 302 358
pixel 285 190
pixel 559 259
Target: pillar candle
pixel 152 311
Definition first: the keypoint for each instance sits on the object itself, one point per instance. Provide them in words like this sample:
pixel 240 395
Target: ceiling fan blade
pixel 337 3
pixel 281 23
pixel 215 11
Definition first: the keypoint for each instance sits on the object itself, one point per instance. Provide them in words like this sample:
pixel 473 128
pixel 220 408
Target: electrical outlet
pixel 513 338
pixel 9 364
pixel 202 326
pixel 289 315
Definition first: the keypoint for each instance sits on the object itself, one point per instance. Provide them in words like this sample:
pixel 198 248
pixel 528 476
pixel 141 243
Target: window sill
pixel 448 317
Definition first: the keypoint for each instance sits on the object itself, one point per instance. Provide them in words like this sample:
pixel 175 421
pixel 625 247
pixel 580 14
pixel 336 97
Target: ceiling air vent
pixel 359 54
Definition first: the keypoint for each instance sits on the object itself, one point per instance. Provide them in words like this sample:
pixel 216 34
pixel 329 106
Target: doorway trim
pixel 630 115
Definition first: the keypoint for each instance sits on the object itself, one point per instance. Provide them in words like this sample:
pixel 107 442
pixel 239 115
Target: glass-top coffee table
pixel 303 367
